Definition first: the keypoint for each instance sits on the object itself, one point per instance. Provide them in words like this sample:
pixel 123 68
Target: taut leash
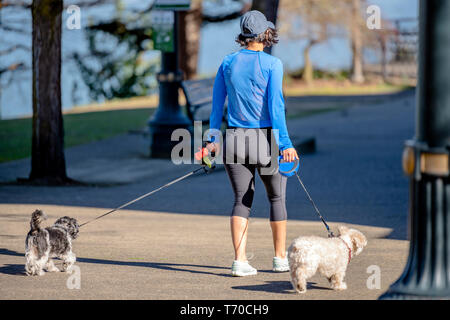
pixel 147 194
pixel 330 233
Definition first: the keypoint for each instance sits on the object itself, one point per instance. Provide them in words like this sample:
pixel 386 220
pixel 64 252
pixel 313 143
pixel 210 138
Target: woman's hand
pixel 289 155
pixel 213 147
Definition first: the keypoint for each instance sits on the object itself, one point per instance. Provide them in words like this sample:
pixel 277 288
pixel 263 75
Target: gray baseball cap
pixel 255 22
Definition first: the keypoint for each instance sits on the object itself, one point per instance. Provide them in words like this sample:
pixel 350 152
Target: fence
pixel 396 48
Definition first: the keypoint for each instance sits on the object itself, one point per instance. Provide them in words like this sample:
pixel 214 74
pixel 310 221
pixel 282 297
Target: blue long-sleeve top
pixel 253 82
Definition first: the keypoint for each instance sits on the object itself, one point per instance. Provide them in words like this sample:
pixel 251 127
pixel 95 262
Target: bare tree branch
pixel 246 5
pixel 12 67
pixel 22 4
pixel 87 3
pixel 12 29
pixel 28 4
pixel 14 48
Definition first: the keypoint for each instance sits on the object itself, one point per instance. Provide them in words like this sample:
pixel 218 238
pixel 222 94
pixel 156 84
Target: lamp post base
pixel 161 144
pixel 427 272
pixel 402 296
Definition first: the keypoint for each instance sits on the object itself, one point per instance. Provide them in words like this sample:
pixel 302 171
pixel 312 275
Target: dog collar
pixel 349 250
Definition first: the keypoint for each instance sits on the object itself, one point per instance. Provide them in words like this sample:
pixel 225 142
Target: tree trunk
pixel 308 71
pixel 189 39
pixel 259 5
pixel 271 15
pixel 270 10
pixel 47 155
pixel 383 59
pixel 357 64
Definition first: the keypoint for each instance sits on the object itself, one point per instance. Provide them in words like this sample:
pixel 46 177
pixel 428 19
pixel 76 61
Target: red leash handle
pixel 203 152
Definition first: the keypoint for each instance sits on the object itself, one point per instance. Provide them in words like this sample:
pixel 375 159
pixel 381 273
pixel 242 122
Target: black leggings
pixel 242 174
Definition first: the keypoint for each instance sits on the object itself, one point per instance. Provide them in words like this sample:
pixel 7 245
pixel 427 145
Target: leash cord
pixel 330 233
pixel 145 195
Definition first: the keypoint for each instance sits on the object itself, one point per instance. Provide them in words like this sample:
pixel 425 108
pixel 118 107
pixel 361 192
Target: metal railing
pixel 396 48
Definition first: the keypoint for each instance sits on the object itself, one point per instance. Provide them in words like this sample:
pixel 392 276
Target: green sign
pixel 162 30
pixel 181 5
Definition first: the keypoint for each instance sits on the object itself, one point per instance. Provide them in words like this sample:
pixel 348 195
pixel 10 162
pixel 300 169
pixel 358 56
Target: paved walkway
pixel 156 255
pixel 162 247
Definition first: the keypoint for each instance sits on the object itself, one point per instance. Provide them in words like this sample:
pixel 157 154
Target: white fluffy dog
pixel 330 256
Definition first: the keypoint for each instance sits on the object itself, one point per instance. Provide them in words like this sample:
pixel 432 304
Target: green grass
pixel 15 135
pixel 344 90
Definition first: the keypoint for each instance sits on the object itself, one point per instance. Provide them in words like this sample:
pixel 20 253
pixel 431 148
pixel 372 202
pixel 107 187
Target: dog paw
pixel 300 290
pixel 67 267
pixel 340 287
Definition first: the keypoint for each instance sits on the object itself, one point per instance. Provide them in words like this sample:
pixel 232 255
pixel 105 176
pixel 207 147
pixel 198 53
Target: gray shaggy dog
pixel 42 245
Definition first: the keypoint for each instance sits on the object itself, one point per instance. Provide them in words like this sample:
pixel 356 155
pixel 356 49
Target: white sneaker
pixel 280 264
pixel 242 269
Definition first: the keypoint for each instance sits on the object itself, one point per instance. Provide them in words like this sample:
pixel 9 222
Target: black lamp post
pixel 168 116
pixel 426 161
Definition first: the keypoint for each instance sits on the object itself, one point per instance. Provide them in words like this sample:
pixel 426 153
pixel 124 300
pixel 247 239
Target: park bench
pixel 198 95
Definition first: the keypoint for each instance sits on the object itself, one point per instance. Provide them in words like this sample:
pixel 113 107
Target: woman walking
pixel 252 80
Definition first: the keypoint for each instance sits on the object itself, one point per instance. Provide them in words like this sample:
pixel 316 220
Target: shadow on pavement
pixel 15 269
pixel 282 287
pixel 157 265
pixel 7 252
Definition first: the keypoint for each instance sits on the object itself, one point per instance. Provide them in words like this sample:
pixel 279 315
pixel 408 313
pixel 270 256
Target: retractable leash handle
pixel 288 169
pixel 207 160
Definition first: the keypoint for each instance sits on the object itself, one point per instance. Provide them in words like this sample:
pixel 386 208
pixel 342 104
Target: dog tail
pixel 36 218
